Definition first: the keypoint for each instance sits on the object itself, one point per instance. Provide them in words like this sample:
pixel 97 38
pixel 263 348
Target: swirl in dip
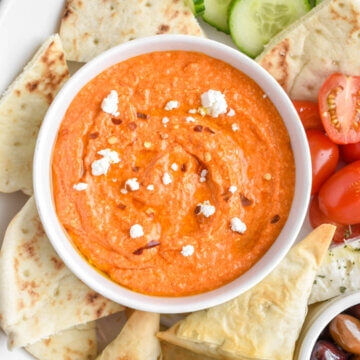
pixel 173 173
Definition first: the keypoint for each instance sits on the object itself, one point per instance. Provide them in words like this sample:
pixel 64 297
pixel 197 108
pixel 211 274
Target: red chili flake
pixel 245 201
pixel 198 128
pixel 93 135
pixel 132 126
pixel 183 167
pixel 121 206
pixel 142 115
pixel 116 121
pixel 197 210
pixel 209 130
pixel 135 168
pixel 227 196
pixel 150 245
pixel 275 219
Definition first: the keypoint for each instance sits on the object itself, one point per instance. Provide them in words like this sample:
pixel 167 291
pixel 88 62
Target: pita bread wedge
pixel 77 343
pixel 137 340
pixel 264 322
pixel 324 41
pixel 22 109
pixel 173 352
pixel 39 296
pixel 90 27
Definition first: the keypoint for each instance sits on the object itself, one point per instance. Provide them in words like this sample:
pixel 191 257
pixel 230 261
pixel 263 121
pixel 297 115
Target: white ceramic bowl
pixel 43 188
pixel 318 318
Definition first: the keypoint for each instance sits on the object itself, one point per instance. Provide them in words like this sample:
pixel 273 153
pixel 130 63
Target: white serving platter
pixel 24 25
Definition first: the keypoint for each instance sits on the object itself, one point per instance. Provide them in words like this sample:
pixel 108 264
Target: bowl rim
pixel 324 314
pixel 43 191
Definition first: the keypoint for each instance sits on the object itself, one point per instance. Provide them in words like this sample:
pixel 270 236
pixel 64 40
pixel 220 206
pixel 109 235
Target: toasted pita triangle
pixel 22 109
pixel 264 322
pixel 39 296
pixel 90 27
pixel 173 352
pixel 137 340
pixel 319 44
pixel 74 344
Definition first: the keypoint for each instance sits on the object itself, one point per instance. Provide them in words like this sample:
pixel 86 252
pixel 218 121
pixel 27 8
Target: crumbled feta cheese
pixel 187 250
pixel 214 102
pixel 173 104
pixel 190 119
pixel 235 127
pixel 192 111
pixel 80 186
pixel 237 225
pixel 232 189
pixel 111 156
pixel 150 187
pixel 100 167
pixel 175 167
pixel 136 231
pixel 123 191
pixel 132 184
pixel 110 103
pixel 265 96
pixel 203 173
pixel 231 112
pixel 165 120
pixel 166 179
pixel 203 179
pixel 206 209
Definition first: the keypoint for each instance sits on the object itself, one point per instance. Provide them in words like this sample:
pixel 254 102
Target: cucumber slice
pixel 197 6
pixel 216 14
pixel 253 23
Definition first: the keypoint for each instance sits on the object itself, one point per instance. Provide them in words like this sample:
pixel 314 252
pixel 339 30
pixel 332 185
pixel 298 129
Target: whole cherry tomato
pixel 339 197
pixel 324 158
pixel 350 152
pixel 343 232
pixel 339 99
pixel 309 114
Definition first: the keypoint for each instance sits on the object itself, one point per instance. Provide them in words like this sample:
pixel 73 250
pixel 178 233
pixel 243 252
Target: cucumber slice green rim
pixel 216 14
pixel 253 23
pixel 197 6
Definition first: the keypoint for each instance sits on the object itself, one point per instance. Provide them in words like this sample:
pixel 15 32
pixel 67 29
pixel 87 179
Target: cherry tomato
pixel 339 197
pixel 339 102
pixel 309 114
pixel 343 232
pixel 324 158
pixel 350 152
pixel 326 350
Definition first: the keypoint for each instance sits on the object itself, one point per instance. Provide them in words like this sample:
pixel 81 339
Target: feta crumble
pixel 165 120
pixel 80 186
pixel 123 191
pixel 232 189
pixel 100 167
pixel 150 187
pixel 231 112
pixel 190 119
pixel 175 167
pixel 111 156
pixel 235 127
pixel 237 225
pixel 203 174
pixel 132 184
pixel 187 250
pixel 166 179
pixel 214 102
pixel 173 104
pixel 192 111
pixel 206 209
pixel 110 103
pixel 136 231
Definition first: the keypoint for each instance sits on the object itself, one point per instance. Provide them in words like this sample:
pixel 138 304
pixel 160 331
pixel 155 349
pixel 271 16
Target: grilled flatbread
pixel 22 109
pixel 77 343
pixel 173 352
pixel 39 296
pixel 324 41
pixel 137 340
pixel 90 27
pixel 264 322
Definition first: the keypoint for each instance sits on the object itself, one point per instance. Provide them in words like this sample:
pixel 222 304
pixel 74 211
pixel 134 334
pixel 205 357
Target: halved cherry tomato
pixel 339 103
pixel 324 158
pixel 309 114
pixel 343 232
pixel 350 152
pixel 339 197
